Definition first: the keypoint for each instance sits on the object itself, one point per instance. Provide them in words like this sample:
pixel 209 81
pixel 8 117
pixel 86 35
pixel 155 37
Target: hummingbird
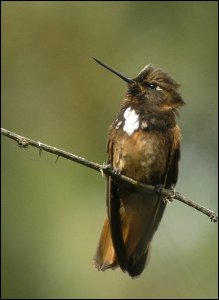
pixel 144 144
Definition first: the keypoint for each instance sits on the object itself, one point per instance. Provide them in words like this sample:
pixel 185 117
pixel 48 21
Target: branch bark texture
pixel 24 142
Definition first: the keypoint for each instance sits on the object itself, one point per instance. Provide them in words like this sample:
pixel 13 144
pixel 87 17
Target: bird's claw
pixel 105 166
pixel 117 172
pixel 170 196
pixel 158 188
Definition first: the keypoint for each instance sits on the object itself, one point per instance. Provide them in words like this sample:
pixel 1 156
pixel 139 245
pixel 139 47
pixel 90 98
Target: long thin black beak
pixel 114 71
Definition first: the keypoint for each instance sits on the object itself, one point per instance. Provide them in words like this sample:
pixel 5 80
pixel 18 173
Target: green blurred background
pixel 52 91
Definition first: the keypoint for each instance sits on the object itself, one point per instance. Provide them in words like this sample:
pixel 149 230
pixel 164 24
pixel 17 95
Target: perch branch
pixel 24 142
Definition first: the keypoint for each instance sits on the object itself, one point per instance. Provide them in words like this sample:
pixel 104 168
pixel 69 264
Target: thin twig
pixel 106 169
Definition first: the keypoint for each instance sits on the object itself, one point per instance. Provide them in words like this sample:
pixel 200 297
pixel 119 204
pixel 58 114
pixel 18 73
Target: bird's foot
pixel 117 172
pixel 105 166
pixel 158 188
pixel 170 196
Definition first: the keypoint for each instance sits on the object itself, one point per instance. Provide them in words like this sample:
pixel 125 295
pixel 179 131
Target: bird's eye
pixel 152 86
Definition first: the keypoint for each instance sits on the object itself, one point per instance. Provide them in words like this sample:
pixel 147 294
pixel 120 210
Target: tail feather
pixel 105 257
pixel 136 268
pixel 138 223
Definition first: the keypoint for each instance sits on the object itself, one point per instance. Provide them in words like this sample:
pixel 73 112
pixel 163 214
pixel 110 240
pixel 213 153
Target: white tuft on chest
pixel 131 121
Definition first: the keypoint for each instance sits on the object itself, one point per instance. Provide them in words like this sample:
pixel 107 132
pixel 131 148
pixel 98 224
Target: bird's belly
pixel 142 156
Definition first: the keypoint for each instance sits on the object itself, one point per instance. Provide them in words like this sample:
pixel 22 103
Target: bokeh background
pixel 52 91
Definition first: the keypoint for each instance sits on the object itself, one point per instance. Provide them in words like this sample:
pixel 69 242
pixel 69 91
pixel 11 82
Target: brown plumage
pixel 144 144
